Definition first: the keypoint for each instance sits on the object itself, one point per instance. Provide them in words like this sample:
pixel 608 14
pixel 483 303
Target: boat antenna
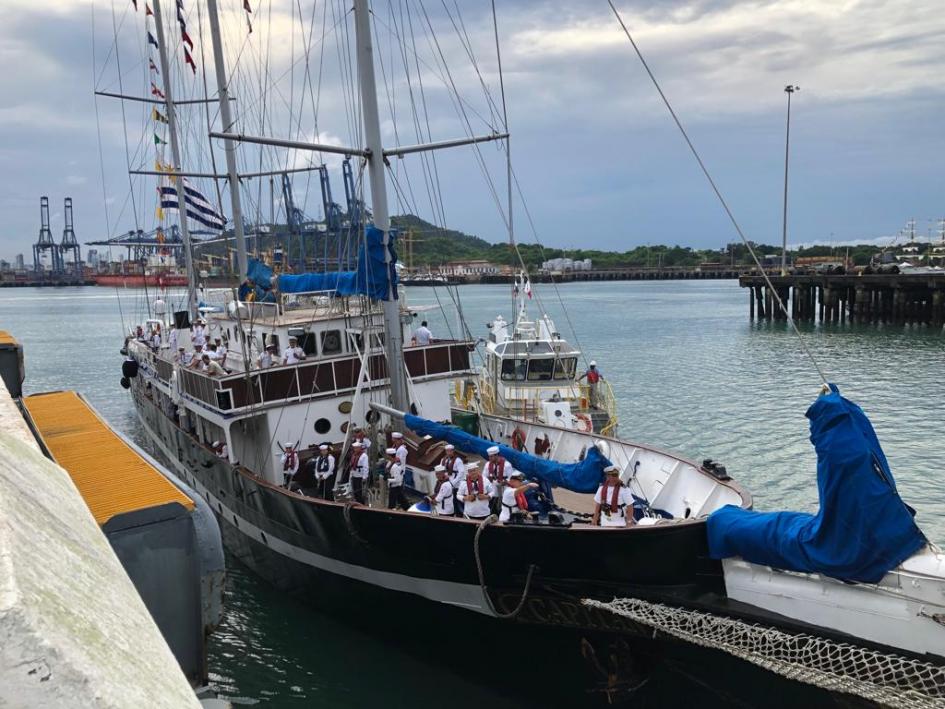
pixel 718 193
pixel 176 179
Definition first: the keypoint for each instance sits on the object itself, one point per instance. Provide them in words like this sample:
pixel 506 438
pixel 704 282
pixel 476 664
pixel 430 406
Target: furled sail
pixel 583 476
pixel 863 528
pixel 374 277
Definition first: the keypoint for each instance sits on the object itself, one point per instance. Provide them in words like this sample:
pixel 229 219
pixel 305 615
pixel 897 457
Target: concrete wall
pixel 73 630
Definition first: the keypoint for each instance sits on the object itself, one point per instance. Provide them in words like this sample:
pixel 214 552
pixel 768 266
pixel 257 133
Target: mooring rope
pixel 492 519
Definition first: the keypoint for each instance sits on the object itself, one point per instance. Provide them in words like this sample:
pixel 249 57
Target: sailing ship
pixel 358 372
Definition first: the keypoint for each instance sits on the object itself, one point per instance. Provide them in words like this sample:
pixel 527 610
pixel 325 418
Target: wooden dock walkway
pixel 909 299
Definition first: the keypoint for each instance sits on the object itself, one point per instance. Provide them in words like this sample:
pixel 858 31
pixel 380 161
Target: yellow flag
pixel 159 213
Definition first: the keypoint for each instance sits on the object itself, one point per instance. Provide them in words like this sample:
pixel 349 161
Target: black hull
pixel 349 558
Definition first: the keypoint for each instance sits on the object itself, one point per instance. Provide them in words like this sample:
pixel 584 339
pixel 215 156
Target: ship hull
pixel 344 559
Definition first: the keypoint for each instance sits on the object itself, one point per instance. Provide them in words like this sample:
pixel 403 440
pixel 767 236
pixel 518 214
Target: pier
pixel 907 299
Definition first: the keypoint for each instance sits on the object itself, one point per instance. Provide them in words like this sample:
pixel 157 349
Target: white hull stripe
pixel 467 596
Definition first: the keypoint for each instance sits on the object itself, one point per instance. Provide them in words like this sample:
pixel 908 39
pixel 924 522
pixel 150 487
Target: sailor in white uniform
pixel 442 498
pixel 498 470
pixel 360 468
pixel 475 492
pixel 613 501
pixel 290 462
pixel 293 353
pixel 395 482
pixel 267 357
pixel 324 472
pixel 513 497
pixel 198 334
pixel 401 447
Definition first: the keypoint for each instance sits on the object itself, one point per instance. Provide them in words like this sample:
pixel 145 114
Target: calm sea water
pixel 692 375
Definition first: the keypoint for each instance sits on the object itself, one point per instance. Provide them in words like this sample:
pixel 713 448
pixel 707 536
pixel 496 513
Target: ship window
pixel 271 340
pixel 331 342
pixel 307 342
pixel 355 342
pixel 514 369
pixel 322 426
pixel 540 370
pixel 564 368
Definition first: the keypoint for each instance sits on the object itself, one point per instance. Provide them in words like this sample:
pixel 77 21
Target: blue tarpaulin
pixel 370 279
pixel 863 528
pixel 584 476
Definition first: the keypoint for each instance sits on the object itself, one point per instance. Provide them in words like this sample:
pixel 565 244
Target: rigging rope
pixel 718 193
pixel 492 519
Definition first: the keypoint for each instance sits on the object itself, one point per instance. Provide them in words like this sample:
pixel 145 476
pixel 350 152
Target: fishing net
pixel 879 677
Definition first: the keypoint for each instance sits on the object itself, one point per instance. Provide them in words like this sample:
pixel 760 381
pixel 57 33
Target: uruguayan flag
pixel 197 206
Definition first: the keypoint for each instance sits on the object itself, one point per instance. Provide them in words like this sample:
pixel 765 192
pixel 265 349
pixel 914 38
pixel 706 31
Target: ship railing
pixel 321 378
pixel 606 401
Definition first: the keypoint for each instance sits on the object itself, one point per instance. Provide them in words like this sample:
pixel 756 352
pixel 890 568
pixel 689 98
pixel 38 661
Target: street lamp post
pixel 789 89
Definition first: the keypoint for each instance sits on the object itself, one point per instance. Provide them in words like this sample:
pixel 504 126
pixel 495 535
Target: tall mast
pixel 175 154
pixel 393 339
pixel 229 147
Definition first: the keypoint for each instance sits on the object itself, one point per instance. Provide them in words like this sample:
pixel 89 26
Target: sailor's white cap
pixel 288 444
pixel 357 444
pixel 593 363
pixel 439 469
pixel 517 474
pixel 493 450
pixel 323 447
pixel 472 466
pixel 391 451
pixel 396 434
pixel 450 447
pixel 215 444
pixel 611 469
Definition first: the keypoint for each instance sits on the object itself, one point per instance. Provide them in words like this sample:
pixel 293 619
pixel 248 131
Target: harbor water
pixel 691 374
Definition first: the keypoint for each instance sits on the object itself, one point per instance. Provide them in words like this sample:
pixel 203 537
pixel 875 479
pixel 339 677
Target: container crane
pixel 46 242
pixel 69 245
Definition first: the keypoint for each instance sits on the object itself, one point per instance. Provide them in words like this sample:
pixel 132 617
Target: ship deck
pixel 112 478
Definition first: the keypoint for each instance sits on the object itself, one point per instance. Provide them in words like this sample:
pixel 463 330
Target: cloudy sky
pixel 599 160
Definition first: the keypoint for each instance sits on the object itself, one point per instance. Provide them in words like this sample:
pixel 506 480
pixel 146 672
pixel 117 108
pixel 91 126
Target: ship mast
pixel 175 154
pixel 393 331
pixel 229 146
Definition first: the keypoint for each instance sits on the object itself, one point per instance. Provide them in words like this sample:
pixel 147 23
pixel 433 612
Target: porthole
pixel 345 407
pixel 322 426
pixel 344 427
pixel 372 416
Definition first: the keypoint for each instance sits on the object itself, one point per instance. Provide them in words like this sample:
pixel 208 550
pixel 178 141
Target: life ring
pixel 584 423
pixel 518 439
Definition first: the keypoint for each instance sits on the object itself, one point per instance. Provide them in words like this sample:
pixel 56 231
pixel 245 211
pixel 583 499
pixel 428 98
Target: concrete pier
pixel 902 299
pixel 73 629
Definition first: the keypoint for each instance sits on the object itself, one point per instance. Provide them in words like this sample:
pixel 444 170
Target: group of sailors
pixel 462 489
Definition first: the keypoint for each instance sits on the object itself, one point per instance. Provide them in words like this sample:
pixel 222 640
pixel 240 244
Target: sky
pixel 598 159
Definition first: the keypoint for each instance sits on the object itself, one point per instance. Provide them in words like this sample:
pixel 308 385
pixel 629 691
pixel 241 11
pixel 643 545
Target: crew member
pixel 290 463
pixel 293 353
pixel 212 367
pixel 183 358
pixel 212 351
pixel 455 467
pixel 266 357
pixel 513 497
pixel 422 335
pixel 476 493
pixel 172 339
pixel 197 361
pixel 395 482
pixel 361 437
pixel 221 349
pixel 613 501
pixel 498 470
pixel 360 469
pixel 593 377
pixel 156 338
pixel 219 448
pixel 325 473
pixel 198 334
pixel 442 498
pixel 401 448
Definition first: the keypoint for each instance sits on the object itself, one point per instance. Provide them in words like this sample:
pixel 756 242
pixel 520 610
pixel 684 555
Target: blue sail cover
pixel 370 279
pixel 584 476
pixel 863 528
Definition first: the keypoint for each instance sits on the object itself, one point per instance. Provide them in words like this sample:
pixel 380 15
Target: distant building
pixel 93 259
pixel 566 264
pixel 4 265
pixel 18 263
pixel 470 268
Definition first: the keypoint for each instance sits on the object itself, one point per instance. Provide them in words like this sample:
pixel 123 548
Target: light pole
pixel 789 89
